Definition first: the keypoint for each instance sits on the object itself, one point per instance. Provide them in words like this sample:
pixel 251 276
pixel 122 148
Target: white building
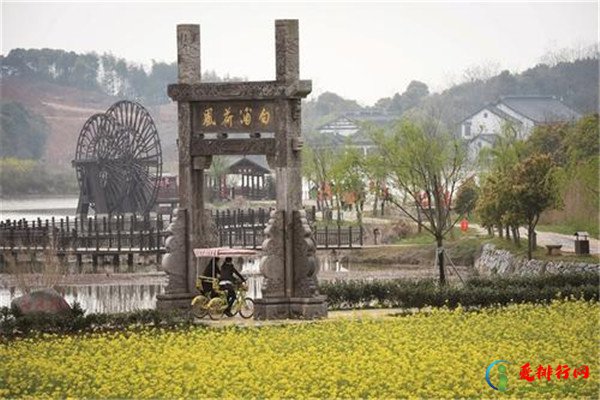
pixel 352 129
pixel 523 113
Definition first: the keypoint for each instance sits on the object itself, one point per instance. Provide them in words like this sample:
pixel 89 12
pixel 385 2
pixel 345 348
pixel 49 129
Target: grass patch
pixel 333 223
pixel 462 252
pixel 455 234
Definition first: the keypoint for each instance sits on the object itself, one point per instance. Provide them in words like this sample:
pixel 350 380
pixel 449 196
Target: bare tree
pixel 426 163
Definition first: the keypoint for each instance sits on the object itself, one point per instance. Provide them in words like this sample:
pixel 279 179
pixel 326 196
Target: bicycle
pixel 215 307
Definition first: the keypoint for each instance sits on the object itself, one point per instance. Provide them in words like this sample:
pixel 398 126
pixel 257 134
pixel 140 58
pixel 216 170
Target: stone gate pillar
pixel 190 227
pixel 290 264
pixel 266 118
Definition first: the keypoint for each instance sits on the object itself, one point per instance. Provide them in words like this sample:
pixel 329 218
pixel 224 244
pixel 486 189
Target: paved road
pixel 567 241
pixel 544 238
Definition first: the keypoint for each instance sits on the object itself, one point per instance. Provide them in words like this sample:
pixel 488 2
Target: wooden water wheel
pixel 118 160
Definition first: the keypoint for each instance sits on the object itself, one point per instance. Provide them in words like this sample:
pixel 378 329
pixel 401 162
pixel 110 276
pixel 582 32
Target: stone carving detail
pixel 272 265
pixel 210 234
pixel 184 134
pixel 239 90
pixel 272 161
pixel 174 262
pixel 287 50
pixel 296 109
pixel 233 146
pixel 305 259
pixel 188 52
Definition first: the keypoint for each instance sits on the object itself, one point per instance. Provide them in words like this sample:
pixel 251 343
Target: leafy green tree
pixel 549 139
pixel 377 174
pixel 21 177
pixel 317 168
pixel 499 161
pixel 85 71
pixel 426 163
pixel 412 96
pixel 348 175
pixel 22 134
pixel 505 153
pixel 574 149
pixel 466 197
pixel 582 139
pixel 161 75
pixel 218 171
pixel 535 190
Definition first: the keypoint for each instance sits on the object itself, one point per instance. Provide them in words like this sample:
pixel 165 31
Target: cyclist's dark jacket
pixel 227 272
pixel 208 270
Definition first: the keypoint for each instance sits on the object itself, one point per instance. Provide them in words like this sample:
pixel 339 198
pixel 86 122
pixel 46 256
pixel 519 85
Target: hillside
pixel 576 83
pixel 66 108
pixel 66 88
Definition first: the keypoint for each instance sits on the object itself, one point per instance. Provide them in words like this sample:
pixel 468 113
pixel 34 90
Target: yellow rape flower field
pixel 438 354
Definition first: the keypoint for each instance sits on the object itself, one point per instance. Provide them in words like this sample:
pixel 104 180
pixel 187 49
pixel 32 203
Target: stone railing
pixel 494 261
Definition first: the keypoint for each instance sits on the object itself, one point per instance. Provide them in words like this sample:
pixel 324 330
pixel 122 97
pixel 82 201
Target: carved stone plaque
pixel 233 117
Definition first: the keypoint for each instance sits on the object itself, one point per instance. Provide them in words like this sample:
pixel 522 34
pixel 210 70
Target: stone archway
pixel 265 118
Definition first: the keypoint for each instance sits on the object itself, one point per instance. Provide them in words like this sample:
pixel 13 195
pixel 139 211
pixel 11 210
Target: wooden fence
pixel 127 236
pixel 325 238
pixel 116 237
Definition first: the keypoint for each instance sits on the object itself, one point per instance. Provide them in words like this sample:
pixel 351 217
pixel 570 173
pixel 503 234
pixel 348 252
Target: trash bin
pixel 582 244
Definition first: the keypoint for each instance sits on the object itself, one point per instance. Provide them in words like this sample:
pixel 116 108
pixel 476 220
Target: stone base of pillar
pixel 174 301
pixel 290 308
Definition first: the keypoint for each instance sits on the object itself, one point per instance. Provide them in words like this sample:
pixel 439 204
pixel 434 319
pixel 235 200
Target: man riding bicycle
pixel 227 280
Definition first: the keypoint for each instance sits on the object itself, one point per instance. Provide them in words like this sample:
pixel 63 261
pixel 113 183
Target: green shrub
pixel 13 323
pixel 476 292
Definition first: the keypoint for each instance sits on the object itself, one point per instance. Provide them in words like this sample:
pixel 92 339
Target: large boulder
pixel 41 301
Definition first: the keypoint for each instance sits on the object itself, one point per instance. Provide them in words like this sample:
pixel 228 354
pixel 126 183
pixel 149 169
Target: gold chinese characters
pixel 264 116
pixel 225 117
pixel 208 119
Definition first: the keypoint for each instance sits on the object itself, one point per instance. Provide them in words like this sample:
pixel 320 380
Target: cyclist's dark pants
pixel 207 289
pixel 230 295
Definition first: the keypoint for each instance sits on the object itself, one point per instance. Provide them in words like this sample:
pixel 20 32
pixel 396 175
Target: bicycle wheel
pixel 247 308
pixel 199 306
pixel 216 308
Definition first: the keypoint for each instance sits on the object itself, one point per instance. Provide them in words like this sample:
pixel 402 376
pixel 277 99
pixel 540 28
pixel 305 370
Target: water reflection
pixel 32 208
pixel 115 298
pixel 102 298
pixel 124 297
pixel 251 270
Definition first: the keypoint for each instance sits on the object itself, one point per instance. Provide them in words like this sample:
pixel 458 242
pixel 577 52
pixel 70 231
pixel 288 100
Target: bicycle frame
pixel 219 302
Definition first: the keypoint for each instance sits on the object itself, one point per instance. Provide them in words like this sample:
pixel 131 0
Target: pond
pixel 32 208
pixel 114 293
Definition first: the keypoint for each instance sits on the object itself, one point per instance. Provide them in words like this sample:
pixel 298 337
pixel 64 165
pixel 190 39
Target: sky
pixel 362 51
